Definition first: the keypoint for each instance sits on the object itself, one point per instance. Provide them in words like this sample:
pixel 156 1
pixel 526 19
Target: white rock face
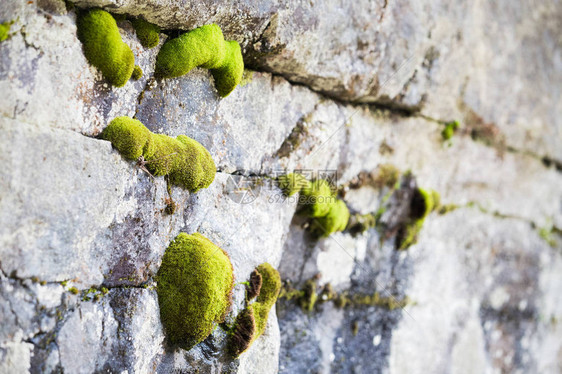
pixel 484 279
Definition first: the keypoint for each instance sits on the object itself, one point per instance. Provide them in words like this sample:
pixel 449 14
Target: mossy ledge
pixel 195 284
pixel 186 162
pixel 252 321
pixel 203 47
pixel 103 46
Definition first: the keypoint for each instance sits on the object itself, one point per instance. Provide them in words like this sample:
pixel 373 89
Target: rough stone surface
pixel 338 87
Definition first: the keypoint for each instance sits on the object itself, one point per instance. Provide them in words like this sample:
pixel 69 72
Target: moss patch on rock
pixel 103 46
pixel 252 321
pixel 335 220
pixel 137 73
pixel 148 33
pixel 5 30
pixel 450 129
pixel 423 202
pixel 195 284
pixel 203 47
pixel 186 162
pixel 316 199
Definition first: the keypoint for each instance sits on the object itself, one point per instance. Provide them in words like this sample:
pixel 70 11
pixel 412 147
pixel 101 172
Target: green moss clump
pixel 336 220
pixel 423 202
pixel 316 199
pixel 73 290
pixel 137 73
pixel 271 285
pixel 450 129
pixel 5 30
pixel 186 162
pixel 252 321
pixel 292 183
pixel 194 288
pixel 103 46
pixel 204 47
pixel 229 75
pixel 148 33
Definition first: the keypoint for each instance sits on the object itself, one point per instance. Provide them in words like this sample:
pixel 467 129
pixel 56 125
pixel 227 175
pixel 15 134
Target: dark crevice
pixel 401 110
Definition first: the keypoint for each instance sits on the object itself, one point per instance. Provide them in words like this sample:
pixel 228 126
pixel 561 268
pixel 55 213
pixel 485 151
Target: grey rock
pixel 485 285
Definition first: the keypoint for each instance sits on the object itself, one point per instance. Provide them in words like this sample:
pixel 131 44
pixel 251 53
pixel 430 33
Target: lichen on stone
pixel 203 47
pixel 185 161
pixel 103 46
pixel 252 321
pixel 148 33
pixel 194 285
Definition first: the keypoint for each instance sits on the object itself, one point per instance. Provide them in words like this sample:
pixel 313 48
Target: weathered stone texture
pixel 338 85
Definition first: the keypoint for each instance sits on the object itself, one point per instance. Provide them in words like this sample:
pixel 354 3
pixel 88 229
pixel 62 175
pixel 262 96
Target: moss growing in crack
pixel 137 73
pixel 359 223
pixel 307 297
pixel 335 220
pixel 148 33
pixel 387 175
pixel 170 207
pixel 194 286
pixel 186 162
pixel 73 290
pixel 252 321
pixel 547 234
pixel 423 202
pixel 103 46
pixel 450 129
pixel 5 30
pixel 204 47
pixel 292 183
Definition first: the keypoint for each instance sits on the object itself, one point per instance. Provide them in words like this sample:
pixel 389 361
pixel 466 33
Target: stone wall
pixel 329 85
